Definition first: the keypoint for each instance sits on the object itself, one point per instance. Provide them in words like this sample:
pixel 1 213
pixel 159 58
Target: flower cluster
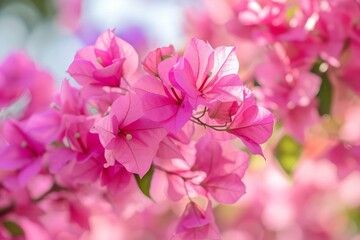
pixel 304 45
pixel 127 129
pixel 157 147
pixel 305 72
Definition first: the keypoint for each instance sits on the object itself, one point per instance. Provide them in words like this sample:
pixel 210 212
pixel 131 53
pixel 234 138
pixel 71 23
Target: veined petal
pixel 127 109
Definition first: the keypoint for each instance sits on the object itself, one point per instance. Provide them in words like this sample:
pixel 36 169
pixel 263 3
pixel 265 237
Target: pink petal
pixel 158 107
pixel 225 62
pixel 29 171
pixel 136 154
pixel 226 189
pixel 175 189
pixel 107 128
pixel 44 126
pixel 199 56
pixel 81 70
pixel 127 109
pixel 165 67
pixel 14 157
pixel 183 78
pixel 57 158
pixel 252 124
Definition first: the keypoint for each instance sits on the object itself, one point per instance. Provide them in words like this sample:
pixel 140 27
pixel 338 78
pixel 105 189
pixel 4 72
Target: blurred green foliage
pixel 14 229
pixel 325 93
pixel 287 152
pixel 354 215
pixel 46 8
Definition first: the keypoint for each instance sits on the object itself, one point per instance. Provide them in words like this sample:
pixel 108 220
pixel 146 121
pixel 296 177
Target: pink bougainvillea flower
pixel 22 155
pixel 196 224
pixel 224 166
pixel 110 62
pixel 105 70
pixel 289 92
pixel 70 100
pixel 69 13
pixel 299 119
pixel 351 67
pixel 115 178
pixel 154 58
pixel 20 78
pixel 127 137
pixel 252 124
pixel 202 76
pixel 345 157
pixel 284 85
pixel 206 168
pixel 205 74
pixel 268 21
pixel 163 104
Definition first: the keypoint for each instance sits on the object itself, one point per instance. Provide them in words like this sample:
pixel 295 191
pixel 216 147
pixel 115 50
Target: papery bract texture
pixel 127 137
pixel 196 224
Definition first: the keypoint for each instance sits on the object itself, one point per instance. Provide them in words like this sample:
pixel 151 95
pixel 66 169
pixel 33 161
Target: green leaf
pixel 47 8
pixel 13 228
pixel 287 153
pixel 354 215
pixel 325 93
pixel 145 182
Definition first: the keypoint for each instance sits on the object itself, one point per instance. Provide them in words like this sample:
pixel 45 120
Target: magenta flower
pixel 110 62
pixel 345 157
pixel 20 78
pixel 163 103
pixel 252 124
pixel 115 178
pixel 289 92
pixel 351 67
pixel 22 155
pixel 156 56
pixel 268 21
pixel 105 70
pixel 224 166
pixel 206 168
pixel 70 101
pixel 205 74
pixel 127 137
pixel 196 224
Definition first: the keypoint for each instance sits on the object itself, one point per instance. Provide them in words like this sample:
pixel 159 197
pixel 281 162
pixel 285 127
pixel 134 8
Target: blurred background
pixel 51 31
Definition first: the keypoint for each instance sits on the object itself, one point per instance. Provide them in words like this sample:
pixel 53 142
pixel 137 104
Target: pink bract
pixel 110 62
pixel 127 137
pixel 21 80
pixel 197 224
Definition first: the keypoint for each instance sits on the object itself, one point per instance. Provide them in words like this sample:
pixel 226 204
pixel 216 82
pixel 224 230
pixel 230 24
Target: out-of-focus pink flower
pixel 346 157
pixel 206 168
pixel 268 21
pixel 69 13
pixel 289 92
pixel 22 155
pixel 20 78
pixel 350 67
pixel 196 224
